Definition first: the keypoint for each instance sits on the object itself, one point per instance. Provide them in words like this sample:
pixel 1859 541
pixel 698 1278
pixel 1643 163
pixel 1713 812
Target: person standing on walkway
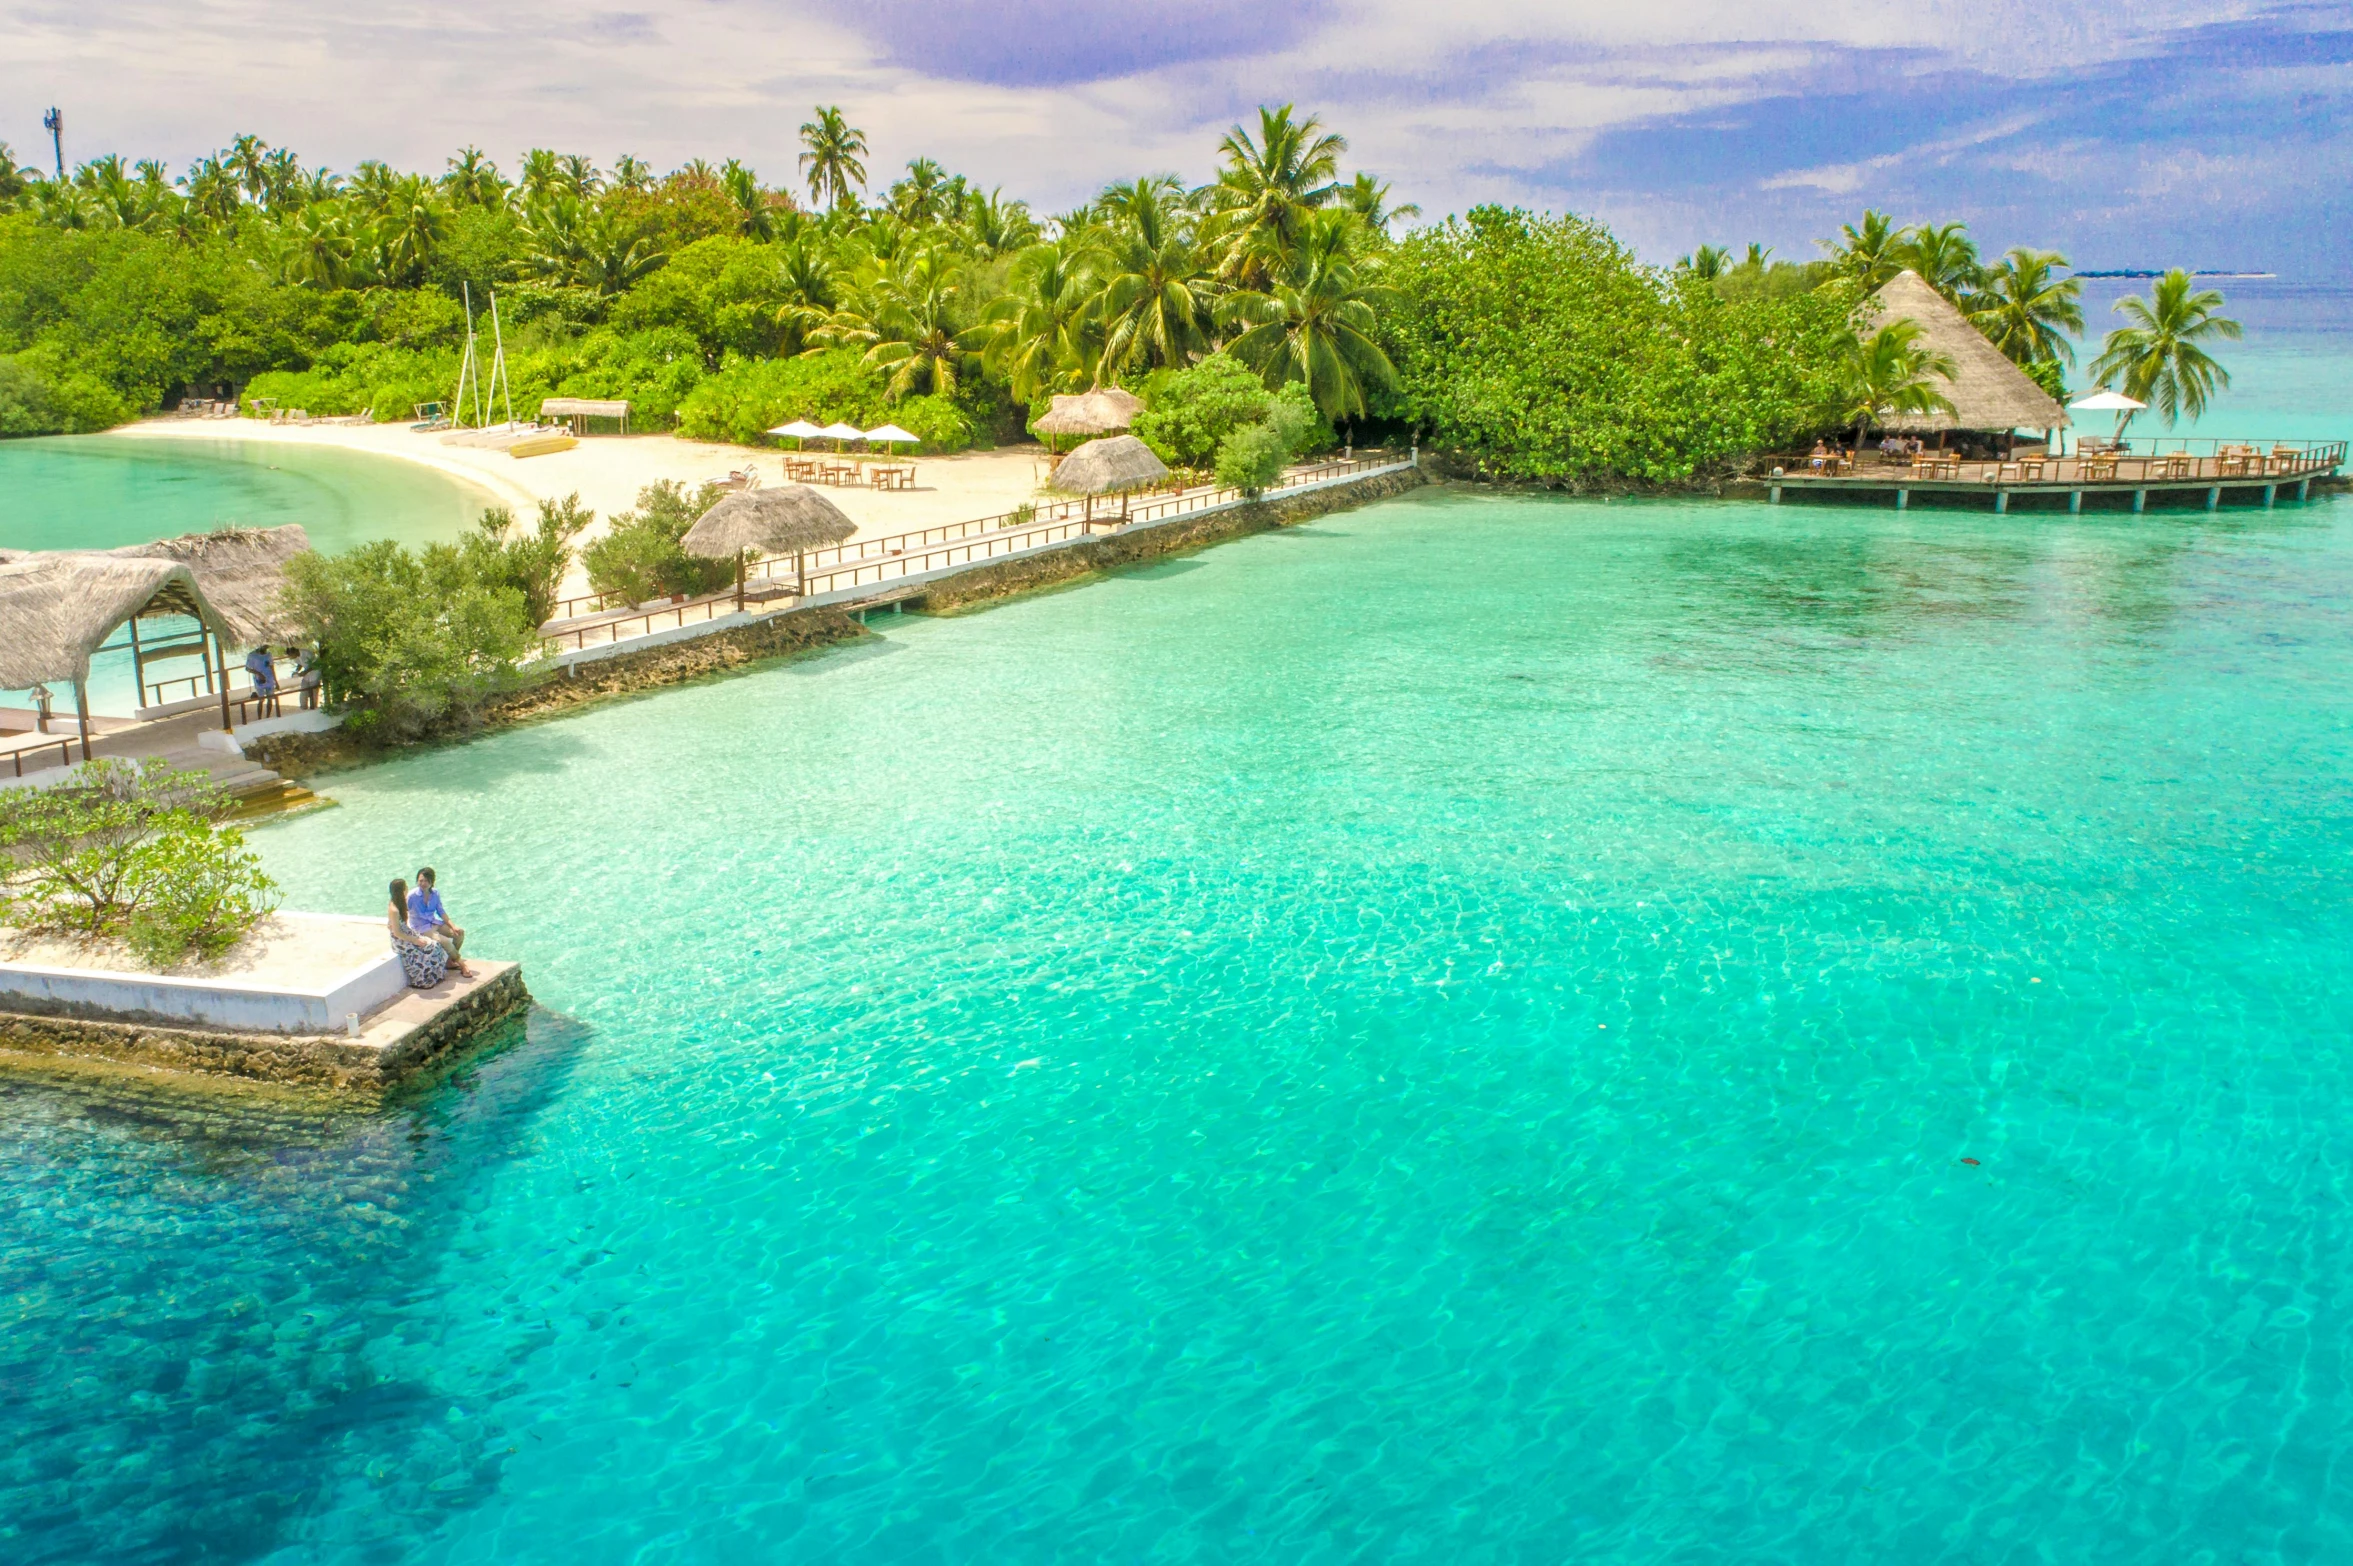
pixel 264 675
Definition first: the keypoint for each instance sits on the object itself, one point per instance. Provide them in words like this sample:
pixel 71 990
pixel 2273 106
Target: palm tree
pixel 14 180
pixel 1315 323
pixel 2158 355
pixel 212 190
pixel 321 185
pixel 372 185
pixel 997 226
pixel 2026 311
pixel 412 227
pixel 832 161
pixel 1368 198
pixel 613 256
pixel 753 219
pixel 1156 297
pixel 1890 372
pixel 542 177
pixel 1946 259
pixel 283 172
pixel 904 318
pixel 1267 188
pixel 631 176
pixel 317 247
pixel 579 175
pixel 806 278
pixel 922 196
pixel 247 158
pixel 1708 262
pixel 474 180
pixel 1871 252
pixel 1041 334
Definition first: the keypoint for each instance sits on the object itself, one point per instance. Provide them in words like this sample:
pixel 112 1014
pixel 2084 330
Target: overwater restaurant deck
pixel 2126 472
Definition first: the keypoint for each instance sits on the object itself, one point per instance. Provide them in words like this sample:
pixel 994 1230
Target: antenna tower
pixel 54 123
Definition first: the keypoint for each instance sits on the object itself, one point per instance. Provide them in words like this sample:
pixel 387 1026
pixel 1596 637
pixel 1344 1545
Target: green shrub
pixel 1252 458
pixel 496 554
pixel 1189 413
pixel 202 890
pixel 749 397
pixel 132 849
pixel 640 557
pixel 1539 349
pixel 411 643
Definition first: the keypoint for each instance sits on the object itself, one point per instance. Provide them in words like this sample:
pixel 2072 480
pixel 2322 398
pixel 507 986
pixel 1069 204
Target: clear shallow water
pixel 103 491
pixel 1451 1034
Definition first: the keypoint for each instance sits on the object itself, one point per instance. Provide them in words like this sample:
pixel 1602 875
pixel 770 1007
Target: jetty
pixel 2120 475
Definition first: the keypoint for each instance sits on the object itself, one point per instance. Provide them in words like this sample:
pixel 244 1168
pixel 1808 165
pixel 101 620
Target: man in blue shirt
pixel 427 917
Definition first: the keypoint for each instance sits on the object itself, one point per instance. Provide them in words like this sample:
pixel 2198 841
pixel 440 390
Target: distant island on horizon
pixel 2158 271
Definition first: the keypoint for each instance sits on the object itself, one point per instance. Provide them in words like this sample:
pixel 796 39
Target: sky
pixel 2122 133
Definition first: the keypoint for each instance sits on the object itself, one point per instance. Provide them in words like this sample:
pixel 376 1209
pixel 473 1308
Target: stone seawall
pixel 1094 556
pixel 329 1061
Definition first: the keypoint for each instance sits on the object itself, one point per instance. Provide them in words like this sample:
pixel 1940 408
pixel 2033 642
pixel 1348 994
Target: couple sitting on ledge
pixel 427 942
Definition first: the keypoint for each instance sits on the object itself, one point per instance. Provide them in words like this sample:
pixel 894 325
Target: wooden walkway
pixel 2237 471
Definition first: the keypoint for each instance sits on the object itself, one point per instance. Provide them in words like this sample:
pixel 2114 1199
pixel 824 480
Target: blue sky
pixel 2130 132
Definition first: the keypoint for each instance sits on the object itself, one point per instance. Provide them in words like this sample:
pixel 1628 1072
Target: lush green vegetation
pixel 134 850
pixel 1535 348
pixel 641 558
pixel 1542 350
pixel 409 642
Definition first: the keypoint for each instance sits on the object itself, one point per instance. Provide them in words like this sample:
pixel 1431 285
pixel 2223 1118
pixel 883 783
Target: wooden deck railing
pixel 2165 462
pixel 875 562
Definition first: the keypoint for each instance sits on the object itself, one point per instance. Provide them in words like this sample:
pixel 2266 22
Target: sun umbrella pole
pixel 220 658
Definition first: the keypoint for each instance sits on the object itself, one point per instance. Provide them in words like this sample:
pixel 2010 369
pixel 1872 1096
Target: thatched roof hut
pixel 783 520
pixel 1987 391
pixel 58 608
pixel 240 570
pixel 1106 410
pixel 1107 466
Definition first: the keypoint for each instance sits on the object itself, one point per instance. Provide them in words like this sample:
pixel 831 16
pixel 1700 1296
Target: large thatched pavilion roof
pixel 57 609
pixel 1988 392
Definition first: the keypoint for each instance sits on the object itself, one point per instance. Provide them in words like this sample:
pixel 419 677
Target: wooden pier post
pixel 2075 502
pixel 2214 498
pixel 1903 498
pixel 2140 501
pixel 2001 501
pixel 2270 493
pixel 2304 491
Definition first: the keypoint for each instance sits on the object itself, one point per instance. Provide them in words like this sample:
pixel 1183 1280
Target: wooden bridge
pixel 2192 471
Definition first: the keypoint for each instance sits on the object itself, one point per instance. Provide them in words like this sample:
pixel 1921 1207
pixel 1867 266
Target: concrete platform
pixel 296 973
pixel 403 1033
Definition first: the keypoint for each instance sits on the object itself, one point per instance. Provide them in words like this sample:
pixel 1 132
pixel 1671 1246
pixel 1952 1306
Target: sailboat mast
pixel 500 378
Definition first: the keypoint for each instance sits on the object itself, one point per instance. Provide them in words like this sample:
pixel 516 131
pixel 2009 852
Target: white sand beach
pixel 607 471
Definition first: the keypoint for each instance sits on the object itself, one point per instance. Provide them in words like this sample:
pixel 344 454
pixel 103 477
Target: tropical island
pixel 720 304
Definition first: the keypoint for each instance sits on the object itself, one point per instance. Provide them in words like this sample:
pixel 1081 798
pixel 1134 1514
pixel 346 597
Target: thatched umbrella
pixel 1117 464
pixel 790 517
pixel 57 609
pixel 242 571
pixel 1106 410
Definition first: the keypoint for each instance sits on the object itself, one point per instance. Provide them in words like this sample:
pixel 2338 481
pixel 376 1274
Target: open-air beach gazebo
pixel 789 519
pixel 56 609
pixel 1116 464
pixel 1989 394
pixel 59 607
pixel 579 410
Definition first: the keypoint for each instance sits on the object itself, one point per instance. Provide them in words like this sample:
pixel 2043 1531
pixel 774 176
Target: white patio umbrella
pixel 892 435
pixel 2106 401
pixel 798 429
pixel 838 432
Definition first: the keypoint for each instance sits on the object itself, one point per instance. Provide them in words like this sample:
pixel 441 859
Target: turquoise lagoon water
pixel 102 491
pixel 1475 1030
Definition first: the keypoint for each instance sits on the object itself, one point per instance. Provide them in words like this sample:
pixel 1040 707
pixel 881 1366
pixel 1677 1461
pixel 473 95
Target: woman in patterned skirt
pixel 422 959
